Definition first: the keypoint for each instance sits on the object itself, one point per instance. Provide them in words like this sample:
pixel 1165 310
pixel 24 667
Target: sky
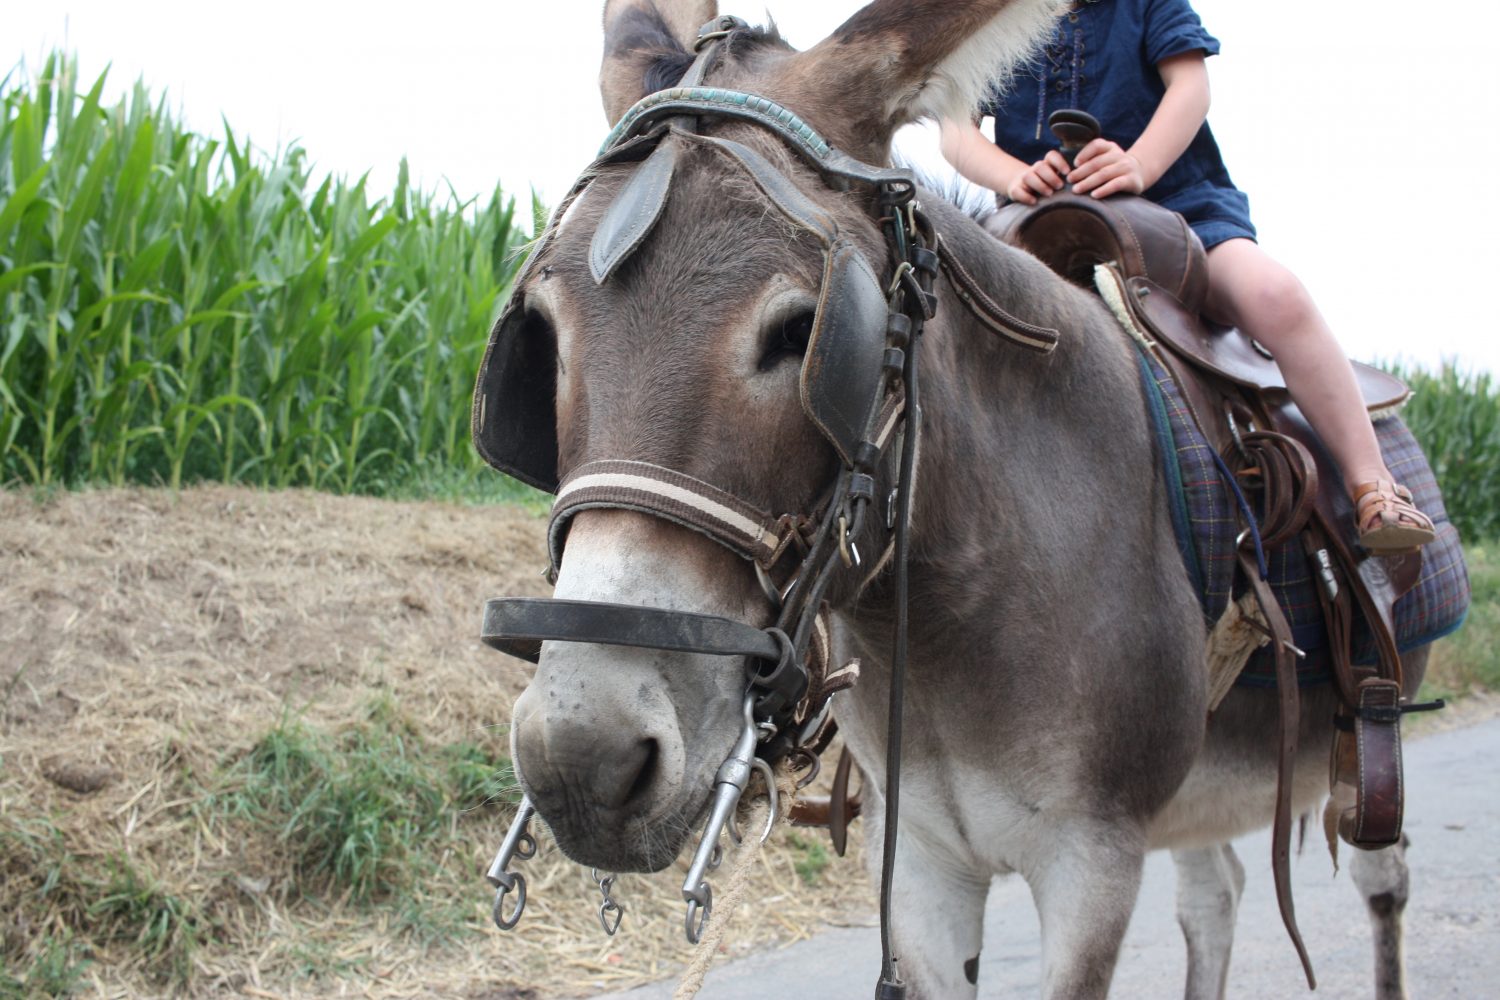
pixel 1361 132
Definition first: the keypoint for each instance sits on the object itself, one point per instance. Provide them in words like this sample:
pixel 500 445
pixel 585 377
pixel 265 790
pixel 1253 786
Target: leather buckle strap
pixel 1374 768
pixel 673 496
pixel 519 626
pixel 1289 699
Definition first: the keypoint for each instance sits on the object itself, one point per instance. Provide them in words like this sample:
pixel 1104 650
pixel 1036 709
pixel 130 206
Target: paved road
pixel 1453 921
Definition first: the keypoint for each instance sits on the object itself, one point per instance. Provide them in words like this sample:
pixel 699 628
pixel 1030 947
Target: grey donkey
pixel 1056 701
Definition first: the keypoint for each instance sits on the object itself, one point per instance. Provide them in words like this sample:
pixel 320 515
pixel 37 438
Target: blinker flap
pixel 633 213
pixel 515 400
pixel 841 373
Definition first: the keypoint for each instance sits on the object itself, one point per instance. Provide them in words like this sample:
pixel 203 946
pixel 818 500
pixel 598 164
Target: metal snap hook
pixel 505 883
pixel 699 908
pixel 519 844
pixel 772 794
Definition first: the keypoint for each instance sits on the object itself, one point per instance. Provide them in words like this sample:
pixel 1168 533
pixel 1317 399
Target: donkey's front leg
pixel 1384 882
pixel 937 912
pixel 1085 889
pixel 1209 883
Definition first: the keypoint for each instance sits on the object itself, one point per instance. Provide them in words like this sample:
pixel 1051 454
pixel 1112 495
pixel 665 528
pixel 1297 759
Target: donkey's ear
pixel 648 45
pixel 898 61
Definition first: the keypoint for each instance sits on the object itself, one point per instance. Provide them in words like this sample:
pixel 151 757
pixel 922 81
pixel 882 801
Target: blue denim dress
pixel 1102 59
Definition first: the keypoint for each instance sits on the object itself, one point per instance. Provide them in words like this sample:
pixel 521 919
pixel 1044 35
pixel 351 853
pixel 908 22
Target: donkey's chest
pixel 981 821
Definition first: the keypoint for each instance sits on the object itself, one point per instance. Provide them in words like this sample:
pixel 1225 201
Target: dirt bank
pixel 149 641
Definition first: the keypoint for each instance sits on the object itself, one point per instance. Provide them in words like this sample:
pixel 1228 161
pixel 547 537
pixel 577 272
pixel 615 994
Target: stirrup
pixel 1388 519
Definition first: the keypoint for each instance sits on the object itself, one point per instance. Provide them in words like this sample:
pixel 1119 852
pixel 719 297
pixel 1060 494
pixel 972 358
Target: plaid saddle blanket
pixel 1206 522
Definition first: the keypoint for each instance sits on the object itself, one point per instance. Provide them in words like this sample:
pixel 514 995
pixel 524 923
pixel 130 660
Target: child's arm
pixel 985 163
pixel 1102 168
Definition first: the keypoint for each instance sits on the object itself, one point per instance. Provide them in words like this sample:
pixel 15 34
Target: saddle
pixel 1151 269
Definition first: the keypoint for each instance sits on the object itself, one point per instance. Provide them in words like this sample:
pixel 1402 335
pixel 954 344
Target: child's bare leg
pixel 1250 290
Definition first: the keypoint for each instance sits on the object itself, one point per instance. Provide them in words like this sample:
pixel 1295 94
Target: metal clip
pixel 729 785
pixel 611 912
pixel 902 271
pixel 1326 574
pixel 848 551
pixel 519 845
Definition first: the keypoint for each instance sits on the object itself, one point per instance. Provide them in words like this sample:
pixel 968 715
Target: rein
pixel 859 388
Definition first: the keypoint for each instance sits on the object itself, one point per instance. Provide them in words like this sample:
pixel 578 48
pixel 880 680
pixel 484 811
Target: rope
pixel 728 904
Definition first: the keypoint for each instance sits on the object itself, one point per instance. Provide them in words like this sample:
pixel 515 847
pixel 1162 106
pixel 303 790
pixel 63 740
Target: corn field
pixel 1456 417
pixel 177 308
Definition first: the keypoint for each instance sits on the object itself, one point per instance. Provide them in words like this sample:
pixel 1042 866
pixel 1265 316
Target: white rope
pixel 739 882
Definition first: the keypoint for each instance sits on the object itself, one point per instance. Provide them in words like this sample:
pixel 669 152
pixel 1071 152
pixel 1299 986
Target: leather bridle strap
pixel 519 626
pixel 672 496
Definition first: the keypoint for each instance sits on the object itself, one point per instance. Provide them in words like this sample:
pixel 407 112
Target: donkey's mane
pixel 971 199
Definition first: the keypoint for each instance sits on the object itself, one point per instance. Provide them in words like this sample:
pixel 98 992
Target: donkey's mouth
pixel 637 843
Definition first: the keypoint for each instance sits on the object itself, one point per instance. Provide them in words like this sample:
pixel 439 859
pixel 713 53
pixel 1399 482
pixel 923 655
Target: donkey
pixel 1056 697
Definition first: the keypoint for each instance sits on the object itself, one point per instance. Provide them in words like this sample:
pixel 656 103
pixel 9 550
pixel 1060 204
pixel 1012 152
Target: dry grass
pixel 152 641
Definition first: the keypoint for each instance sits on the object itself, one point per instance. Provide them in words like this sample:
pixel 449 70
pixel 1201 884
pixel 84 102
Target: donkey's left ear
pixel 898 61
pixel 648 45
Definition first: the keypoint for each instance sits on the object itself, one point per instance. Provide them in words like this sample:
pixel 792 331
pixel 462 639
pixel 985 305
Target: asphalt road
pixel 1452 922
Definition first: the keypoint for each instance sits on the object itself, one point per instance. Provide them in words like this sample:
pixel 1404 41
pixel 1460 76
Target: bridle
pixel 858 387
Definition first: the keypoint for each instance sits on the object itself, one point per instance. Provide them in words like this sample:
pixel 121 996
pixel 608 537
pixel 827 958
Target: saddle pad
pixel 1206 523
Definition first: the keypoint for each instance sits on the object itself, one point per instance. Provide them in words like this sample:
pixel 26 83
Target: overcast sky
pixel 1363 133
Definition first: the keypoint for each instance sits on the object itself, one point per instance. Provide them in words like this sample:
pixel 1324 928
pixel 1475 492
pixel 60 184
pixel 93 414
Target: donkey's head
pixel 665 321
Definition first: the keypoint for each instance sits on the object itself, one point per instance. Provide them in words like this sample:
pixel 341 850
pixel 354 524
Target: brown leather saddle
pixel 1150 266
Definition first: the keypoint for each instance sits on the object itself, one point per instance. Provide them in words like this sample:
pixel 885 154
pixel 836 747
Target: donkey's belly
pixel 1231 789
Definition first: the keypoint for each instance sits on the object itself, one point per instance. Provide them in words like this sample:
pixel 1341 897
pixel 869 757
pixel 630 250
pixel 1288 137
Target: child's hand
pixel 1102 168
pixel 1040 179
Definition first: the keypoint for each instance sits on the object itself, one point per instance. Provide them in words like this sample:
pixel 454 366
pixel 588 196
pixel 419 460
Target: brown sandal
pixel 1388 519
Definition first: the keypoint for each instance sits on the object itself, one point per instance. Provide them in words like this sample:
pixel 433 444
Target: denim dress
pixel 1102 59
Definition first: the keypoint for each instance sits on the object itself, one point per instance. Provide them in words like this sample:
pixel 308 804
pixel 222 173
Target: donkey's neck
pixel 1028 458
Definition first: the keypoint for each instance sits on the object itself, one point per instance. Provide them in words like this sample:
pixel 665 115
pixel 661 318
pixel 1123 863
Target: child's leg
pixel 1250 290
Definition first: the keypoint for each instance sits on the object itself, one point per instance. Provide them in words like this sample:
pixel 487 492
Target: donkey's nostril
pixel 650 754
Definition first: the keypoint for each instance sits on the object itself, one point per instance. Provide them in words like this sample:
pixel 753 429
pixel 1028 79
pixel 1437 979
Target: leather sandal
pixel 1388 519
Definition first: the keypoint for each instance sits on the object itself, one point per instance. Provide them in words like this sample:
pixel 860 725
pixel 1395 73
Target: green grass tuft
pixel 54 971
pixel 811 858
pixel 358 810
pixel 164 928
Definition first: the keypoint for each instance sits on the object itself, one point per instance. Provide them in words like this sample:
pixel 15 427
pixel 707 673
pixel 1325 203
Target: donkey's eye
pixel 787 338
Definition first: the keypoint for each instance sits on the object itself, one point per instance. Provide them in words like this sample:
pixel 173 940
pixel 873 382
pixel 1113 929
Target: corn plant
pixel 1455 416
pixel 175 307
